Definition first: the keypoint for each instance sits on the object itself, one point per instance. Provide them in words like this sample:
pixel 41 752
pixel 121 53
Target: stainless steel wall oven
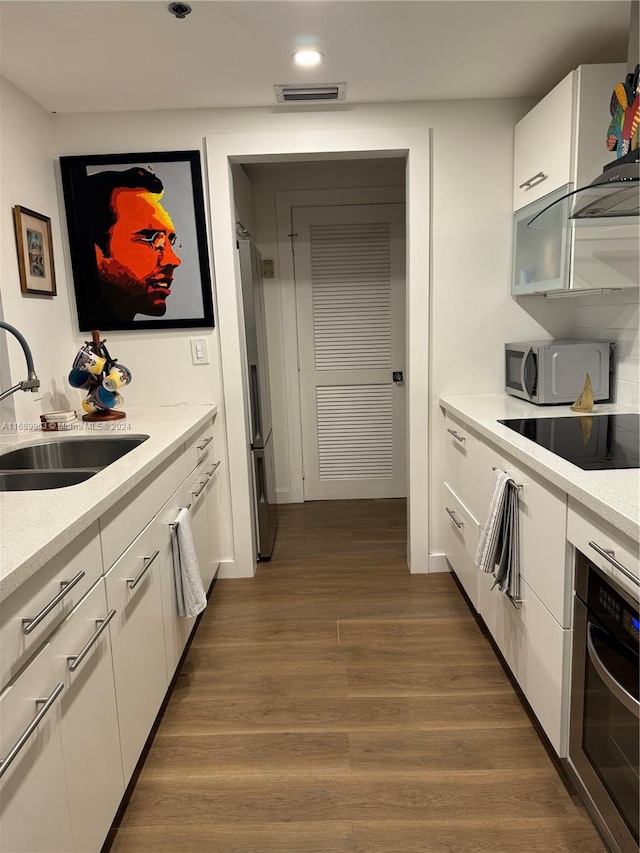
pixel 604 743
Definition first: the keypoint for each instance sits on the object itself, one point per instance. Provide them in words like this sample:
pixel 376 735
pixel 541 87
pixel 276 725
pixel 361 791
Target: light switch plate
pixel 199 351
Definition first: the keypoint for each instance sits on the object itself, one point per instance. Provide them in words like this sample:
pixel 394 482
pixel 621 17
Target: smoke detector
pixel 322 92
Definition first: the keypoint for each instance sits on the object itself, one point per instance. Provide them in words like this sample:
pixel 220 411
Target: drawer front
pixel 65 579
pixel 536 649
pixel 461 541
pixel 199 446
pixel 176 628
pixel 34 811
pixel 542 145
pixel 466 463
pixel 121 524
pixel 584 527
pixel 89 719
pixel 137 637
pixel 543 545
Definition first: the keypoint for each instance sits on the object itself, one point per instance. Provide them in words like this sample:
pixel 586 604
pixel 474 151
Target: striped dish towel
pixel 499 547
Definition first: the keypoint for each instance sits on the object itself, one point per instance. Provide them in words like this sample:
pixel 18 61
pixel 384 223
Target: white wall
pixel 614 317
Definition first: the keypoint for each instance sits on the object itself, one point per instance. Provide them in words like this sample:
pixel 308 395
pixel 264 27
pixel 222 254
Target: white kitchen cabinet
pixel 559 146
pixel 34 808
pixel 31 613
pixel 462 533
pixel 81 651
pixel 133 586
pixel 536 650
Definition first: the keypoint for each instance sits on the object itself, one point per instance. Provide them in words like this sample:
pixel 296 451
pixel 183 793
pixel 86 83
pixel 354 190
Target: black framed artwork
pixel 138 240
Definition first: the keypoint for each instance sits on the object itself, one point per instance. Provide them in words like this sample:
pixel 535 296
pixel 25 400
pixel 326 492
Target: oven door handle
pixel 623 696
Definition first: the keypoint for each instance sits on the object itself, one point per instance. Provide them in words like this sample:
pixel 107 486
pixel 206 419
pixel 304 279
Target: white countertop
pixel 36 525
pixel 614 495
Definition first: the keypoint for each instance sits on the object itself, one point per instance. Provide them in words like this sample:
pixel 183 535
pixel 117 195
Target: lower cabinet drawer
pixel 81 650
pixel 34 810
pixel 31 613
pixel 536 649
pixel 137 636
pixel 461 541
pixel 585 530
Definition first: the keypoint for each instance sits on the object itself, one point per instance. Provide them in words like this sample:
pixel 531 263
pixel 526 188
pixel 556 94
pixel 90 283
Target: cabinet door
pixel 137 637
pixel 81 651
pixel 176 628
pixel 536 649
pixel 34 809
pixel 461 542
pixel 543 145
pixel 203 521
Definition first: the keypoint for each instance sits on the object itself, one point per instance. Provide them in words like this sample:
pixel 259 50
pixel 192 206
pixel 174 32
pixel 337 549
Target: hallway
pixel 338 703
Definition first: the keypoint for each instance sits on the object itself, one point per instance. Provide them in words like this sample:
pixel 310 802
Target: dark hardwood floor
pixel 338 703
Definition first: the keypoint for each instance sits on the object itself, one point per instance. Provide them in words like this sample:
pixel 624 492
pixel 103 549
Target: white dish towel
pixel 499 547
pixel 190 595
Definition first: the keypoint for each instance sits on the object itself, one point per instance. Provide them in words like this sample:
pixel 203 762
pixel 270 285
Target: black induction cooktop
pixel 592 442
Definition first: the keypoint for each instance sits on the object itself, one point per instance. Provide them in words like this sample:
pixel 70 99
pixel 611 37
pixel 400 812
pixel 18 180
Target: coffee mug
pixel 99 400
pixel 88 360
pixel 118 377
pixel 82 379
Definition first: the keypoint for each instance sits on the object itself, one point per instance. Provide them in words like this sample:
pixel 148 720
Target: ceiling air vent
pixel 290 94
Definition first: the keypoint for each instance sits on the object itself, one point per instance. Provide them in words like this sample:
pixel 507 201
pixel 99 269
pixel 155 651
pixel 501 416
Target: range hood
pixel 613 198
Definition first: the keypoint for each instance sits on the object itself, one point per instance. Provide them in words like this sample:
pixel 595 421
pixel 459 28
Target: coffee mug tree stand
pixel 98 347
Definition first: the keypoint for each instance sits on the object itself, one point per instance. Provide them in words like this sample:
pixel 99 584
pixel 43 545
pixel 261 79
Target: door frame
pixel 286 200
pixel 414 144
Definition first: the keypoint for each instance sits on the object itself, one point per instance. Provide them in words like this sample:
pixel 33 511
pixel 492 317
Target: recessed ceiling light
pixel 307 57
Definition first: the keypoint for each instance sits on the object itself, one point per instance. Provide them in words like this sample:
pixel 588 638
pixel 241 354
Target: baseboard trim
pixel 438 563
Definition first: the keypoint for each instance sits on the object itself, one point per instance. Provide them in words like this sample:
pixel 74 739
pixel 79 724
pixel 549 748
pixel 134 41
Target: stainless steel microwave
pixel 547 372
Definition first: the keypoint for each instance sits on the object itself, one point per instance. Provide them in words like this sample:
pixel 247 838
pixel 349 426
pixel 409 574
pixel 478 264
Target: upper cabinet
pixel 562 140
pixel 560 146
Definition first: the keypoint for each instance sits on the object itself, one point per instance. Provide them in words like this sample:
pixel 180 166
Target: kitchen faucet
pixel 31 383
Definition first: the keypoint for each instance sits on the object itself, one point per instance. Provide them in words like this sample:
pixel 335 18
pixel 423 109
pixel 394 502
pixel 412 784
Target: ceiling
pixel 101 55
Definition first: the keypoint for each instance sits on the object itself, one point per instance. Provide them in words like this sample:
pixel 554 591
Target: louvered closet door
pixel 350 289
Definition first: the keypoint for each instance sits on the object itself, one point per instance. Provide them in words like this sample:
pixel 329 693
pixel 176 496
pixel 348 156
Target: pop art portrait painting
pixel 138 240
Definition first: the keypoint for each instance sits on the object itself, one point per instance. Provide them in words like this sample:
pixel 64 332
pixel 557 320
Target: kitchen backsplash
pixel 614 316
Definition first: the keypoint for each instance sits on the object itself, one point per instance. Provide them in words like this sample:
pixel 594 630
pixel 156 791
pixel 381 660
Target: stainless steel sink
pixel 70 453
pixel 66 462
pixel 23 481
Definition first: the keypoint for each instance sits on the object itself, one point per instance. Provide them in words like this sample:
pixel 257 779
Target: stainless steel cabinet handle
pixel 133 582
pixel 451 513
pixel 33 725
pixel 536 179
pixel 74 661
pixel 205 442
pixel 212 470
pixel 623 696
pixel 28 625
pixel 456 435
pixel 203 483
pixel 608 555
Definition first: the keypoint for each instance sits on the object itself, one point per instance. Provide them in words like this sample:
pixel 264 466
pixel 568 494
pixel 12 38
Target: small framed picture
pixel 138 240
pixel 35 252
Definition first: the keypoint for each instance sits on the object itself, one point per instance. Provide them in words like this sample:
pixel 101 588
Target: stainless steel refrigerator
pixel 261 434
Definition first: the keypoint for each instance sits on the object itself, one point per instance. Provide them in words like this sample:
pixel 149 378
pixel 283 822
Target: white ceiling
pixel 101 55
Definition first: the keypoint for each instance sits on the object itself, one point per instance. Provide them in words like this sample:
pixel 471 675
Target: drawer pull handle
pixel 33 725
pixel 533 181
pixel 203 483
pixel 456 435
pixel 452 515
pixel 28 625
pixel 608 555
pixel 205 443
pixel 212 470
pixel 74 661
pixel 133 582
